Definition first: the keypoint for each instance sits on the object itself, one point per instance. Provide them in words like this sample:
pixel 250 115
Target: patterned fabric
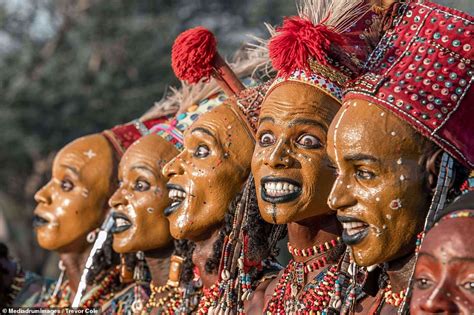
pixel 34 290
pixel 122 136
pixel 422 71
pixel 123 301
pixel 172 130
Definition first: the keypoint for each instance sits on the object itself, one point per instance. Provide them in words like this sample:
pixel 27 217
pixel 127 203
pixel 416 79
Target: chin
pixel 276 214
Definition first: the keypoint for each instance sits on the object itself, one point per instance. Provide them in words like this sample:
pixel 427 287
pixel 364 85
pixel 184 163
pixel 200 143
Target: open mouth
pixel 39 221
pixel 122 223
pixel 355 230
pixel 177 194
pixel 279 190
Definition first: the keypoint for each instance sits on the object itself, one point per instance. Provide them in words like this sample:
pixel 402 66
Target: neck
pixel 312 231
pixel 202 252
pixel 158 261
pixel 74 262
pixel 399 272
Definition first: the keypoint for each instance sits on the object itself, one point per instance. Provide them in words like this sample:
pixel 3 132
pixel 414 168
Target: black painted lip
pixel 355 238
pixel 39 221
pixel 171 209
pixel 280 199
pixel 115 228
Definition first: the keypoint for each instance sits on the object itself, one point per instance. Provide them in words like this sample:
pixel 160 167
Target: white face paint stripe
pixel 335 153
pixel 335 135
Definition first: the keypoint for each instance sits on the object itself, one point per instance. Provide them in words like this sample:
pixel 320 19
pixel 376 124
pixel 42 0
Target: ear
pixel 432 168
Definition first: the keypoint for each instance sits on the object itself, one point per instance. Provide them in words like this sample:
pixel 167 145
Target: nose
pixel 280 157
pixel 174 167
pixel 341 196
pixel 118 198
pixel 439 302
pixel 44 195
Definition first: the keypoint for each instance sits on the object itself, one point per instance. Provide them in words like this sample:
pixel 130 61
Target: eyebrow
pixel 305 121
pixel 468 259
pixel 204 130
pixel 72 169
pixel 144 168
pixel 266 118
pixel 360 157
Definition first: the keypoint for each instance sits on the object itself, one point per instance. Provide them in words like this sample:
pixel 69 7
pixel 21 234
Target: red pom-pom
pixel 297 41
pixel 193 54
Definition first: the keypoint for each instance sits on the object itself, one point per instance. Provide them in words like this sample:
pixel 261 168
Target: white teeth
pixel 121 222
pixel 353 227
pixel 176 194
pixel 277 189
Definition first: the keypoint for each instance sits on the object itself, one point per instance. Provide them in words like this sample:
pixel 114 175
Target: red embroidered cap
pixel 123 136
pixel 422 71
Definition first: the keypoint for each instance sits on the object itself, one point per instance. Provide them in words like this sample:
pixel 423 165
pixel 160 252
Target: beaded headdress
pixel 422 71
pixel 324 46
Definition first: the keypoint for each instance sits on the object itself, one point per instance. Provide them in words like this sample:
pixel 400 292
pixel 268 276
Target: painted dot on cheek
pixel 382 114
pixel 150 210
pixel 399 161
pixel 377 199
pixel 393 133
pixel 395 204
pixel 388 216
pixel 402 178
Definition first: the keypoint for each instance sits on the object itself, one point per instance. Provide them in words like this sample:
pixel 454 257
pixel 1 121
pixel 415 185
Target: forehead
pixel 87 155
pixel 363 127
pixel 291 100
pixel 451 237
pixel 221 121
pixel 149 150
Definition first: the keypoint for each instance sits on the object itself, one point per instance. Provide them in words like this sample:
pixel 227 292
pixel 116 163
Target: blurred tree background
pixel 70 68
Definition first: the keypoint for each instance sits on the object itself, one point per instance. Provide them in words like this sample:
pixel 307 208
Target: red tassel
pixel 297 41
pixel 193 54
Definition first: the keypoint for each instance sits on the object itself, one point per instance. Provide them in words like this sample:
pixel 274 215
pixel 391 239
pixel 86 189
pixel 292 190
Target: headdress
pixel 195 59
pixel 421 71
pixel 324 46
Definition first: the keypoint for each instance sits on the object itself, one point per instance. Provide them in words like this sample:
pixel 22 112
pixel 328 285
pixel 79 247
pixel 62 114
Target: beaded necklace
pixel 392 298
pixel 103 292
pixel 316 294
pixel 168 303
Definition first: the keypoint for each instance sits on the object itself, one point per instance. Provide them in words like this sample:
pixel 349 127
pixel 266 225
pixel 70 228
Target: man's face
pixel 208 174
pixel 380 194
pixel 292 173
pixel 140 200
pixel 74 201
pixel 444 273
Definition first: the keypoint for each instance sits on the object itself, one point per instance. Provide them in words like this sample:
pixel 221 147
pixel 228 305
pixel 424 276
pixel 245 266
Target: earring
pixel 139 275
pixel 92 236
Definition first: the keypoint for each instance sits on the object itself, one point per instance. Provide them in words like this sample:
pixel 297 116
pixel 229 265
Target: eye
pixel 468 286
pixel 423 283
pixel 309 141
pixel 266 139
pixel 120 183
pixel 364 174
pixel 141 185
pixel 66 185
pixel 202 151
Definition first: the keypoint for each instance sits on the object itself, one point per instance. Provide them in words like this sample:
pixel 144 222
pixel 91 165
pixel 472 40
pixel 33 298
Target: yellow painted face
pixel 140 200
pixel 380 194
pixel 292 172
pixel 74 201
pixel 208 174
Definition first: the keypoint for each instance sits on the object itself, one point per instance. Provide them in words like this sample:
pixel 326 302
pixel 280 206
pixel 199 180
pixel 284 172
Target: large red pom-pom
pixel 298 40
pixel 193 54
